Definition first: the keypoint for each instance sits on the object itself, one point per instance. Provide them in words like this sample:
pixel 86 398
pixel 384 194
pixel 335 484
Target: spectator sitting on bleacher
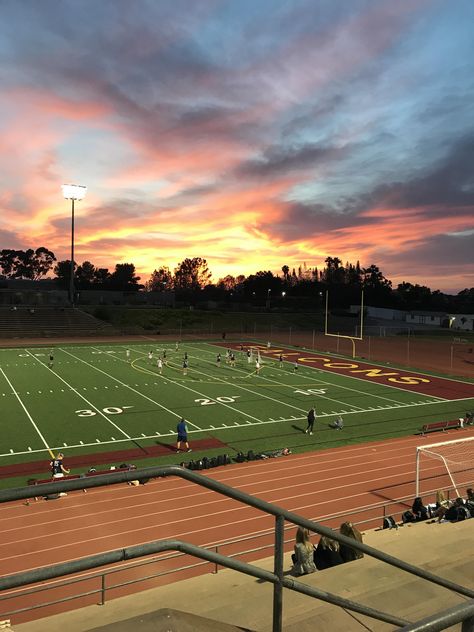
pixel 458 511
pixel 303 562
pixel 419 510
pixel 349 554
pixel 327 554
pixel 470 501
pixel 442 504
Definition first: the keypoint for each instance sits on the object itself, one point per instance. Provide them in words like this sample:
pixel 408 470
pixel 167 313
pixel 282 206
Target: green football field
pixel 93 398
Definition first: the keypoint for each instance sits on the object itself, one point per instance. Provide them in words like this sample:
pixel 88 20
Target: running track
pixel 315 485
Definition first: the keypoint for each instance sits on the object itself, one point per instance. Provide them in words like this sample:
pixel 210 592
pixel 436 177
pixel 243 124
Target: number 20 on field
pixel 217 400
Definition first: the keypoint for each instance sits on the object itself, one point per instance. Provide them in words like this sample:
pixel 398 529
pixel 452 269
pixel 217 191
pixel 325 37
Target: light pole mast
pixel 73 192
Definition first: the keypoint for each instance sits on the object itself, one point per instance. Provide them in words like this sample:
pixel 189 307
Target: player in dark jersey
pixel 311 420
pixel 57 468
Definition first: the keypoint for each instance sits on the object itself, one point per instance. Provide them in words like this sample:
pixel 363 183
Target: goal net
pixel 445 464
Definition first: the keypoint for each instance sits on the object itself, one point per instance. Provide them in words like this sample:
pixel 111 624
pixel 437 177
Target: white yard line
pixel 27 414
pixel 353 377
pixel 168 410
pixel 277 383
pixel 101 413
pixel 245 388
pixel 188 388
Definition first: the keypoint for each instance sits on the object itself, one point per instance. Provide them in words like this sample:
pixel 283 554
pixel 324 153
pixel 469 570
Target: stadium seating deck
pixel 236 599
pixel 25 322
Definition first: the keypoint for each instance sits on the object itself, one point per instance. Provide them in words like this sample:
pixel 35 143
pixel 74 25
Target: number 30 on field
pixel 110 410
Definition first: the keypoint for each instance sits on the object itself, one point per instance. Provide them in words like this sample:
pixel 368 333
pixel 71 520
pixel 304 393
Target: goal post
pixel 360 326
pixel 448 460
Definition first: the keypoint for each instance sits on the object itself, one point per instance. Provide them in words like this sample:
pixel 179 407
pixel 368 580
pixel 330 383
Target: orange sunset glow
pixel 254 135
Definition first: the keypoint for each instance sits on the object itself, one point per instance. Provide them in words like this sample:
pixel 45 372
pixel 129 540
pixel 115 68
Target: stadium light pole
pixel 73 192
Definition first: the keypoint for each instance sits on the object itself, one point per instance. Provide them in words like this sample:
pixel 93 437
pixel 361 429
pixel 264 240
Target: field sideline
pixel 94 398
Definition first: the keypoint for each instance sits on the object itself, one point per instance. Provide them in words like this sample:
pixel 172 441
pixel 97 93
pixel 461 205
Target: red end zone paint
pixel 390 376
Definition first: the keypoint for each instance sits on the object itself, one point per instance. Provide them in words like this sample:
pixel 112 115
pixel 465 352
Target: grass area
pixel 95 399
pixel 208 321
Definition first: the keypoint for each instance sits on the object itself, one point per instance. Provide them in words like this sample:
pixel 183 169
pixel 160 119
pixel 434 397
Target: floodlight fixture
pixel 73 192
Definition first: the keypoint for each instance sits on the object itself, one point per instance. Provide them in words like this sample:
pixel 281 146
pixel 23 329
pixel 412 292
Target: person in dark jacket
pixel 311 420
pixel 349 554
pixel 458 511
pixel 419 510
pixel 327 554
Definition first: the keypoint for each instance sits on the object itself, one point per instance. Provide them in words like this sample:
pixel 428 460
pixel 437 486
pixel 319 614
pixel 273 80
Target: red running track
pixel 316 485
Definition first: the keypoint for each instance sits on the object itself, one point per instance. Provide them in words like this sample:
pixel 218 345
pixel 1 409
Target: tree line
pixel 304 287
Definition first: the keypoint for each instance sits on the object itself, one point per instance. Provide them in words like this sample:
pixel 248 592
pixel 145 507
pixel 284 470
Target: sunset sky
pixel 253 133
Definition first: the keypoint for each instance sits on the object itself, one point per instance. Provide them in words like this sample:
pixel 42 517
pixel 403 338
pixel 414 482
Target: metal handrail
pixel 280 514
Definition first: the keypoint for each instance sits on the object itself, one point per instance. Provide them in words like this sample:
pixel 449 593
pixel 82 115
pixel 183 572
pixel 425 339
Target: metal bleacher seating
pixel 28 322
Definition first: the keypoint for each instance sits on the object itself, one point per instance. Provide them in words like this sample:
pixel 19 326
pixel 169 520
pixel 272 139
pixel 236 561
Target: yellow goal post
pixel 361 323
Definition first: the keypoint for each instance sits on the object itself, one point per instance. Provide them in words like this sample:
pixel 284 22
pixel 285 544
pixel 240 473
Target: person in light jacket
pixel 303 562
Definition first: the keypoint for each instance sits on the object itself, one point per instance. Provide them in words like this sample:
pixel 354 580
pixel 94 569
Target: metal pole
pixel 452 356
pixel 102 591
pixel 417 473
pixel 278 570
pixel 468 625
pixel 71 280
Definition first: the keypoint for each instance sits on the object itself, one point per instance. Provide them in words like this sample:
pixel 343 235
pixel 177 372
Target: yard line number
pixel 311 391
pixel 217 400
pixel 109 410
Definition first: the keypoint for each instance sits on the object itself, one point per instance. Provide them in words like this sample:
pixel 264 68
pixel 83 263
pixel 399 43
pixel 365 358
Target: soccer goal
pixel 448 463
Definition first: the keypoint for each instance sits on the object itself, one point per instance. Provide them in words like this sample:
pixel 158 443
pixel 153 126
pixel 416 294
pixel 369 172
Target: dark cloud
pixel 279 160
pixel 441 251
pixel 449 184
pixel 10 240
pixel 448 189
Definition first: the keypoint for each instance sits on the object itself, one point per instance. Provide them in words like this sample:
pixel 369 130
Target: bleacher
pixel 45 322
pixel 234 599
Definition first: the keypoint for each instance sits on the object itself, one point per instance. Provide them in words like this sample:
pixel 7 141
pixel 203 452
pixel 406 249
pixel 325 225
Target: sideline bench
pixel 70 477
pixel 441 425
